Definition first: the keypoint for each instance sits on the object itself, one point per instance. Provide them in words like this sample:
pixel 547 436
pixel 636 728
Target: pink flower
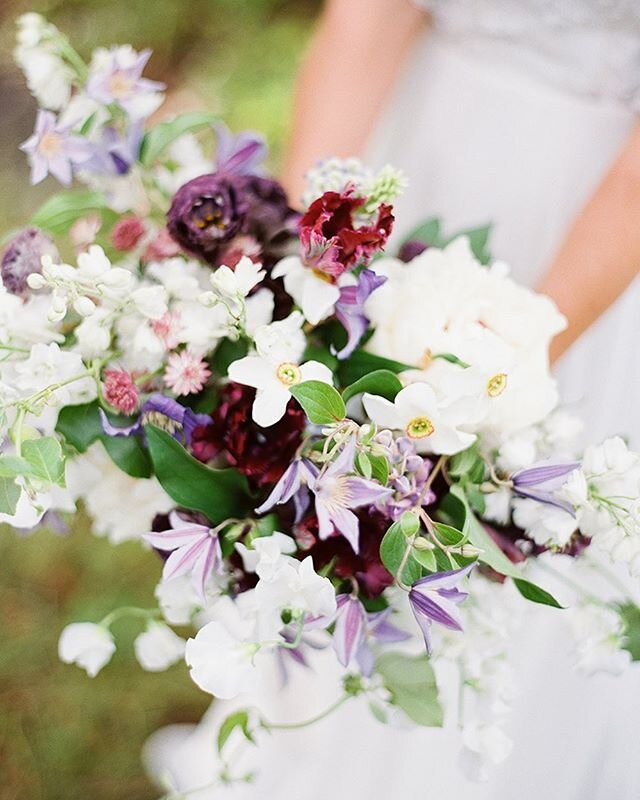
pixel 163 246
pixel 120 391
pixel 186 373
pixel 126 233
pixel 84 231
pixel 166 329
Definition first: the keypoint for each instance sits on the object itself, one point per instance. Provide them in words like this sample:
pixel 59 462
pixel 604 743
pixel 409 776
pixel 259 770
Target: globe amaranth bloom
pixel 23 257
pixel 262 454
pixel 330 241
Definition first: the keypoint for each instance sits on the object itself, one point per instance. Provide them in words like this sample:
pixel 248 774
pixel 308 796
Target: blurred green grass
pixel 64 736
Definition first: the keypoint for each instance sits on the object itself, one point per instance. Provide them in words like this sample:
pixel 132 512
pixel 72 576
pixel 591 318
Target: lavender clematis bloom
pixel 292 484
pixel 436 599
pixel 541 481
pixel 52 148
pixel 164 413
pixel 114 154
pixel 350 309
pixel 195 549
pixel 354 630
pixel 241 154
pixel 337 491
pixel 118 79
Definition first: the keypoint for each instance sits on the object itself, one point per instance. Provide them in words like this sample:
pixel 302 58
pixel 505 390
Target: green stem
pixel 292 726
pixel 129 611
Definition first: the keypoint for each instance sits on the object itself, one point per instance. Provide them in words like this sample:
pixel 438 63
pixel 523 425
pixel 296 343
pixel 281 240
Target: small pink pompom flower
pixel 186 373
pixel 120 391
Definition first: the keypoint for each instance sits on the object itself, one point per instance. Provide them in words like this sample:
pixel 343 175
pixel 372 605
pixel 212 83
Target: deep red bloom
pixel 365 567
pixel 262 454
pixel 330 241
pixel 126 233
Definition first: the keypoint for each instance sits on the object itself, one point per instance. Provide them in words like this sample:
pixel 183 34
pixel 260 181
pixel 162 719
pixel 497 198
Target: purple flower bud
pixel 411 249
pixel 23 257
pixel 206 213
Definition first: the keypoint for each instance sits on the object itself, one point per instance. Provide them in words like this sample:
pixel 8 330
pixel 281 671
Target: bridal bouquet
pixel 322 445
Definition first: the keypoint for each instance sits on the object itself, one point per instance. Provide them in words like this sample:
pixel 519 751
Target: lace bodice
pixel 591 47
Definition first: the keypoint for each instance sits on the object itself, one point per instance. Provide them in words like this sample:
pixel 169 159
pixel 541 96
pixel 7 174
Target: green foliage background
pixel 64 736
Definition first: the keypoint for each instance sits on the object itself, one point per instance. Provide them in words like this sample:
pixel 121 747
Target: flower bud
pixel 84 306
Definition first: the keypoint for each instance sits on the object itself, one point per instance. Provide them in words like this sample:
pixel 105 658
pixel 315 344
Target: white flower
pixel 48 77
pixel 485 745
pixel 179 276
pixel 224 656
pixel 273 380
pixel 283 340
pixel 235 284
pixel 264 557
pixel 178 599
pixel 150 301
pixel 314 294
pixel 158 647
pixel 88 645
pixel 93 334
pixel 49 366
pixel 545 524
pixel 498 506
pixel 294 585
pixel 415 410
pixel 599 635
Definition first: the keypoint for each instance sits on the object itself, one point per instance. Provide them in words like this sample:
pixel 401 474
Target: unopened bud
pixel 36 281
pixel 423 544
pixel 469 551
pixel 84 306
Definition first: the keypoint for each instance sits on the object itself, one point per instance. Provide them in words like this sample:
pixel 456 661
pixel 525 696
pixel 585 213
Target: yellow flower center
pixel 420 428
pixel 289 374
pixel 497 384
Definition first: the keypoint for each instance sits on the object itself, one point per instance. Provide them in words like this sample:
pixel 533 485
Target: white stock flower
pixel 313 293
pixel 49 366
pixel 158 647
pixel 93 334
pixel 86 644
pixel 598 634
pixel 545 524
pixel 224 656
pixel 273 380
pixel 433 428
pixel 48 77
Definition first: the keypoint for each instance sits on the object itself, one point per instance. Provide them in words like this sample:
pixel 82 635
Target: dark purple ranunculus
pixel 208 212
pixel 270 219
pixel 23 257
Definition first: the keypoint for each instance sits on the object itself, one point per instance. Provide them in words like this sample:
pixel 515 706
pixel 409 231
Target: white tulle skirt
pixel 480 142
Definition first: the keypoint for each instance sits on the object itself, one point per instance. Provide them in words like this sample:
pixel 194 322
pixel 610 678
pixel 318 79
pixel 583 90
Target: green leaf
pixel 46 459
pixel 492 555
pixel 364 465
pixel 451 359
pixel 630 614
pixel 59 212
pixel 321 402
pixel 81 427
pixel 478 240
pixel 392 549
pixel 427 559
pixel 427 232
pixel 322 354
pixel 361 363
pixel 9 495
pixel 12 466
pixel 239 719
pixel 227 352
pixel 409 524
pixel 378 712
pixel 382 382
pixel 460 465
pixel 379 468
pixel 158 139
pixel 267 526
pixel 412 684
pixel 217 493
pixel 451 537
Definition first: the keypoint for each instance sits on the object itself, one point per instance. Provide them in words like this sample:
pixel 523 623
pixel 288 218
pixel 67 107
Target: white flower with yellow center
pixel 432 427
pixel 273 380
pixel 314 292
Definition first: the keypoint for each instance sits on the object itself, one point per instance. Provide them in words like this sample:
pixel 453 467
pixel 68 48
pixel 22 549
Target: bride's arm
pixel 350 68
pixel 601 254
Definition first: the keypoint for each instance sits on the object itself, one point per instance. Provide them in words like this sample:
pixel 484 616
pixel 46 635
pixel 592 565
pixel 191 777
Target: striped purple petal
pixel 349 630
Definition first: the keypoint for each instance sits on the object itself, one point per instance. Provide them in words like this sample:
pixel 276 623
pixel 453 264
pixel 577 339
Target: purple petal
pixel 113 430
pixel 174 539
pixel 443 580
pixel 545 497
pixel 543 474
pixel 344 462
pixel 425 626
pixel 240 154
pixel 350 310
pixel 285 488
pixel 209 559
pixel 366 659
pixel 347 524
pixel 363 492
pixel 183 559
pixel 349 629
pixel 436 608
pixel 384 631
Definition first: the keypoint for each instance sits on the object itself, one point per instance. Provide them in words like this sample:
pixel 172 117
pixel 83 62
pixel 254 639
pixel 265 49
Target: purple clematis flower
pixel 436 599
pixel 292 484
pixel 540 481
pixel 164 413
pixel 117 78
pixel 241 154
pixel 195 550
pixel 350 309
pixel 114 154
pixel 337 491
pixel 355 628
pixel 52 148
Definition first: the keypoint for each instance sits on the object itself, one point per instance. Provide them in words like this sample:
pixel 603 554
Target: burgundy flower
pixel 365 566
pixel 126 233
pixel 207 212
pixel 262 454
pixel 23 257
pixel 330 241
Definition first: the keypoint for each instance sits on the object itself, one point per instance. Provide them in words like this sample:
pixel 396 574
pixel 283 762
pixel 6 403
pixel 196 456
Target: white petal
pixel 270 405
pixel 382 411
pixel 315 371
pixel 318 298
pixel 253 371
pixel 417 400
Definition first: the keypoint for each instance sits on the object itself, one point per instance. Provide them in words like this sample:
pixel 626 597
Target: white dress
pixel 509 111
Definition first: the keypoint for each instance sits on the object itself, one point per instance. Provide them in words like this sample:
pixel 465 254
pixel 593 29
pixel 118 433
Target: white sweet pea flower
pixel 86 644
pixel 178 599
pixel 273 379
pixel 265 554
pixel 313 292
pixel 432 428
pixel 158 647
pixel 224 656
pixel 295 585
